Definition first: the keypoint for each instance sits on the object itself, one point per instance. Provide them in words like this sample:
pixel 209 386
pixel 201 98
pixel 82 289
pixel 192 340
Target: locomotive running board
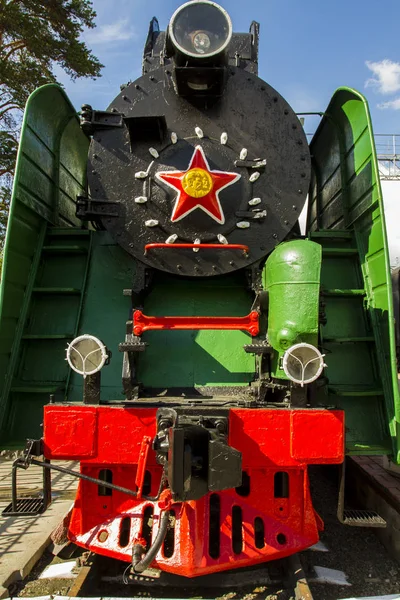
pixel 355 517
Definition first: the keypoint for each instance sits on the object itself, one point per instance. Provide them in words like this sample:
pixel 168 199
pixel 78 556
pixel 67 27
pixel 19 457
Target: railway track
pixel 98 576
pixel 355 553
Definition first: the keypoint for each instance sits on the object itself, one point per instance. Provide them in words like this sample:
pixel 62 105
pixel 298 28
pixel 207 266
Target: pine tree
pixel 34 37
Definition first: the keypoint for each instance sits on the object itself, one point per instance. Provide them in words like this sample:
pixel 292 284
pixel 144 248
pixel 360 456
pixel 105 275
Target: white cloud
pixel 387 76
pixel 394 104
pixel 110 32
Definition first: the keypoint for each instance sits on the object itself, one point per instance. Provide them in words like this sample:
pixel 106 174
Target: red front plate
pixel 271 516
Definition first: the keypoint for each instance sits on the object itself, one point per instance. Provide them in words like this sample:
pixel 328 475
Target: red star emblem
pixel 198 187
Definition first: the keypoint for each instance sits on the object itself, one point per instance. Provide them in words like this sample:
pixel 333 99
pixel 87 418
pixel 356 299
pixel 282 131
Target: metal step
pixel 68 232
pixel 340 234
pixel 363 518
pixel 339 252
pixel 25 507
pixel 35 387
pixel 53 290
pixel 58 249
pixel 342 292
pixel 48 336
pixel 351 340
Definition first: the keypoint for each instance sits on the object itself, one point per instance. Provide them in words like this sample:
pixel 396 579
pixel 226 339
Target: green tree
pixel 35 36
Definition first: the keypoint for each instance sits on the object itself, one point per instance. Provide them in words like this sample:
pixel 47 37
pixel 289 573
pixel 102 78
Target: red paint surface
pixel 142 322
pixel 271 441
pixel 185 203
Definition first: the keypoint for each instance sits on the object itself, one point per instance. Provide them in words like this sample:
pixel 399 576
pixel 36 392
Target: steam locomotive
pixel 171 249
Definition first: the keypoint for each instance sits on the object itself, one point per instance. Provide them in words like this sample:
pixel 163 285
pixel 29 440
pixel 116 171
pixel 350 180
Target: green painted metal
pixel 60 280
pixel 346 212
pixel 292 278
pixel 50 172
pixel 197 358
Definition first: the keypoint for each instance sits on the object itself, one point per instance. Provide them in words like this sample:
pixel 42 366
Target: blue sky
pixel 307 50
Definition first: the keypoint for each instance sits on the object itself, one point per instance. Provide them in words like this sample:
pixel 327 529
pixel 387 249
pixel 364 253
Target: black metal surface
pixel 258 348
pixel 91 388
pixel 354 517
pixel 29 505
pixel 25 507
pixel 99 482
pixel 193 449
pixel 255 117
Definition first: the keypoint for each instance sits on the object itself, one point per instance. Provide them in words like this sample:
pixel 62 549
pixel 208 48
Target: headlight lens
pixel 201 42
pixel 200 29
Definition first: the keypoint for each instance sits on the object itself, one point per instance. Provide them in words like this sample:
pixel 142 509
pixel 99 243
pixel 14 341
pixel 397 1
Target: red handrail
pixel 141 323
pixel 213 246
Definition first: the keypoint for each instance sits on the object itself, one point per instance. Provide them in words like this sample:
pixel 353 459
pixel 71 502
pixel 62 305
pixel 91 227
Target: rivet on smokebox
pixel 222 239
pixel 260 215
pixel 255 201
pixel 140 199
pixel 174 137
pixel 224 138
pixel 171 239
pixel 151 223
pixel 199 132
pixel 141 175
pixel 196 241
pixel 254 176
pixel 243 224
pixel 154 152
pixel 243 154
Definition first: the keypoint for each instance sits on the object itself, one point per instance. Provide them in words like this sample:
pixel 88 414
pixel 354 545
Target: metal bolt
pixel 114 110
pixel 286 112
pixel 231 263
pixel 94 172
pixel 300 191
pixel 294 207
pixel 294 126
pixel 275 236
pixel 300 142
pixel 220 426
pixel 214 267
pixel 179 266
pixel 303 175
pixel 124 97
pixel 152 78
pixel 275 98
pixel 286 222
pixel 137 86
pixel 168 72
pixel 95 156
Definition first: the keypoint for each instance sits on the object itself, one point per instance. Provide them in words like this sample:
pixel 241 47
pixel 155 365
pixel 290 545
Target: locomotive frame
pixel 172 433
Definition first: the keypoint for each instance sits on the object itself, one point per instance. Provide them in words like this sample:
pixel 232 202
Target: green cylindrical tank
pixel 292 279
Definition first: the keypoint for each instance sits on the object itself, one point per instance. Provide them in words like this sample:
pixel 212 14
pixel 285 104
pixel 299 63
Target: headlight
pixel 200 29
pixel 86 355
pixel 303 363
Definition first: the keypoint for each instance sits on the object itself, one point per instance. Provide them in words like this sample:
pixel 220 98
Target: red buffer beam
pixel 142 323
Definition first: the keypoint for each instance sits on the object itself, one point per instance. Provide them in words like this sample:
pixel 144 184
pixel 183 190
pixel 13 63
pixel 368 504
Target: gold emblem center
pixel 197 183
